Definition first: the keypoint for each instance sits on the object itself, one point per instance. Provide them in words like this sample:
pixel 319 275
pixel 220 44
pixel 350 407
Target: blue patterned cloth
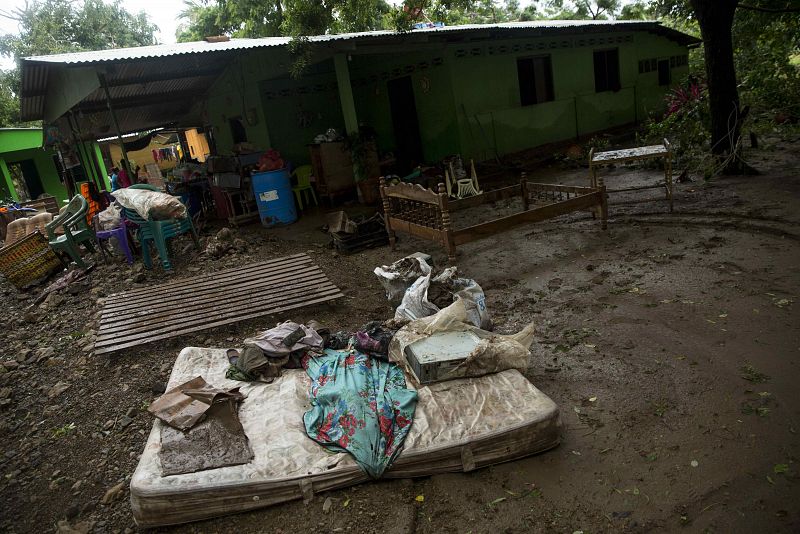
pixel 359 405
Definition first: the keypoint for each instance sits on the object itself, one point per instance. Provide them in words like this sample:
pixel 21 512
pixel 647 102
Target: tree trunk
pixel 716 21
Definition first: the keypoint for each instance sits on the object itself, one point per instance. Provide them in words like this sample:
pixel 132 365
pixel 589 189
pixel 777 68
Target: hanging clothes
pixel 358 405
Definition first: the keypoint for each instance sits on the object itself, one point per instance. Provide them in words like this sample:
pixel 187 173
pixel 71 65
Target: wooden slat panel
pixel 194 304
pixel 188 291
pixel 164 307
pixel 217 278
pixel 198 313
pixel 231 312
pixel 220 323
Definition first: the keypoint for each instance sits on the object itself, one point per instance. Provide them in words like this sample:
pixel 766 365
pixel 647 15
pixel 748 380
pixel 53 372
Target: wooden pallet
pixel 160 312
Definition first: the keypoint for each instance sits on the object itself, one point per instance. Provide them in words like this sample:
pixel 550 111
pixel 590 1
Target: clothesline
pixel 170 153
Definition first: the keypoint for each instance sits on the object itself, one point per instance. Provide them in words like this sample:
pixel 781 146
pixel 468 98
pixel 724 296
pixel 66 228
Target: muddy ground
pixel 670 342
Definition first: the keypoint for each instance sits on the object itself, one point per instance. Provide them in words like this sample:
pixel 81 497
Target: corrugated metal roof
pixel 155 85
pixel 200 47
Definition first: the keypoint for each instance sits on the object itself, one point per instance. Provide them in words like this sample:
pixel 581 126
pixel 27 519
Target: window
pixel 535 76
pixel 606 70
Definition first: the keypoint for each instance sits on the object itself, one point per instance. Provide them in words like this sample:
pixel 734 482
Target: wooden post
pixel 387 210
pixel 523 187
pixel 603 203
pixel 592 171
pixel 668 172
pixel 126 163
pixel 447 232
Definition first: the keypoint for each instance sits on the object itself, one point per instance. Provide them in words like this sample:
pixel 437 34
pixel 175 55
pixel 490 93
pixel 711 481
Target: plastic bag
pixel 494 352
pixel 150 205
pixel 109 218
pixel 397 277
pixel 416 302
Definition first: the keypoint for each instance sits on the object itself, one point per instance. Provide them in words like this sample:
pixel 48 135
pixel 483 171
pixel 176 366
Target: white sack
pixel 399 276
pixel 151 205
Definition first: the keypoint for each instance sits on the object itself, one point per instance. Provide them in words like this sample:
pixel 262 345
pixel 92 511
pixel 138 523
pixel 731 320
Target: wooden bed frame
pixel 423 213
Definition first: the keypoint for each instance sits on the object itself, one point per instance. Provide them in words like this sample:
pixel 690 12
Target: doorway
pixel 405 123
pixel 26 179
pixel 664 74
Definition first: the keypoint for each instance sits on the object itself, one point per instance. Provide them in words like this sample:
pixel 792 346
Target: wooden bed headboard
pixel 412 209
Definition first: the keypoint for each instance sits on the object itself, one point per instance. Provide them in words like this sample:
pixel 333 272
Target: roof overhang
pixel 154 86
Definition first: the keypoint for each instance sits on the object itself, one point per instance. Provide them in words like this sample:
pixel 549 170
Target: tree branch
pixel 769 9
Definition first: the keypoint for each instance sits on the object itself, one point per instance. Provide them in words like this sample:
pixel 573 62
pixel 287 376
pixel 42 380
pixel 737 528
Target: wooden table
pixel 633 154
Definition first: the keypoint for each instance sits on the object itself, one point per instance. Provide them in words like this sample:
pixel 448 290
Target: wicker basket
pixel 28 261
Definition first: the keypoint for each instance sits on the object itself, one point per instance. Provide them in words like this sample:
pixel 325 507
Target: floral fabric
pixel 359 405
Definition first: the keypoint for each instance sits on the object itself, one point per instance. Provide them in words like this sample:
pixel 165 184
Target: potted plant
pixel 363 153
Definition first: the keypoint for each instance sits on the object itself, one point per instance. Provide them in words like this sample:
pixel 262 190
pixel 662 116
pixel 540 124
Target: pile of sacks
pixel 418 291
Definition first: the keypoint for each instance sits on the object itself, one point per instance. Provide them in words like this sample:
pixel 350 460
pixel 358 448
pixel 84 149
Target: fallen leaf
pixel 496 501
pixel 576 453
pixel 782 302
pixel 636 491
pixel 769 479
pixel 511 493
pixel 694 463
pixel 722 315
pixel 420 498
pixel 592 399
pixel 780 468
pixel 346 503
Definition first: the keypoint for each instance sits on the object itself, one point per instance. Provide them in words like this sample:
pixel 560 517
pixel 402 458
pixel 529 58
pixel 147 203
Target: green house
pixel 479 90
pixel 28 171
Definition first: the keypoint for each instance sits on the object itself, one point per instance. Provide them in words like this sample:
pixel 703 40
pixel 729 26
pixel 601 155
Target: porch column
pixel 98 156
pixel 345 93
pixel 7 182
pixel 126 163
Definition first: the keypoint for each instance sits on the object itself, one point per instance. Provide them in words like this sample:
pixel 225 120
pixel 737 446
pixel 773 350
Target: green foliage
pixel 686 125
pixel 9 102
pixel 56 26
pixel 764 44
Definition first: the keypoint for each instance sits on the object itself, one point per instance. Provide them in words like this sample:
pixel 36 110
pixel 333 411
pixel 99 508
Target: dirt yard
pixel 671 344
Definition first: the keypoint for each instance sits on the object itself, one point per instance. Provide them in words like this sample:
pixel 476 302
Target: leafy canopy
pixel 56 26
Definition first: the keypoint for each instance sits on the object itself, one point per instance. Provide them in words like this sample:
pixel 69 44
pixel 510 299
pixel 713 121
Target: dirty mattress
pixel 459 425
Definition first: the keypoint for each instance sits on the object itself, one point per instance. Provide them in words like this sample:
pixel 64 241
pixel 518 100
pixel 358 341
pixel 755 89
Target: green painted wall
pixel 492 120
pixel 299 110
pixel 20 144
pixel 48 174
pixel 13 139
pixel 433 96
pixel 467 95
pixel 236 94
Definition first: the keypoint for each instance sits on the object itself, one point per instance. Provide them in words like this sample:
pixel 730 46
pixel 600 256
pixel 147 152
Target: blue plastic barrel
pixel 274 196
